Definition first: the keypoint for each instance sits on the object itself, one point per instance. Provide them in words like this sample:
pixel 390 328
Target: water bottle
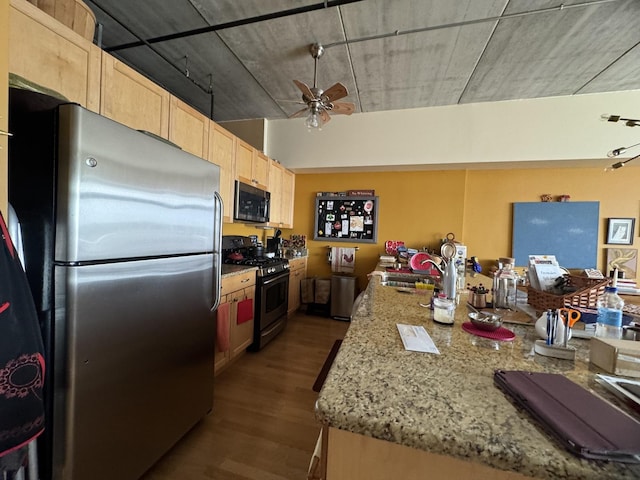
pixel 609 320
pixel 449 279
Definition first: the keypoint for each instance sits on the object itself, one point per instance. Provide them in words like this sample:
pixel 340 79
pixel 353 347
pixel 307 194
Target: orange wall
pixel 421 207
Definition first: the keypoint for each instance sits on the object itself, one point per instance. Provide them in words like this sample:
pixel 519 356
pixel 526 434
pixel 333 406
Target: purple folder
pixel 583 423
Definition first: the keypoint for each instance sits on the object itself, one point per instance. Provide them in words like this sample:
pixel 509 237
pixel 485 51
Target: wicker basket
pixel 586 296
pixel 75 14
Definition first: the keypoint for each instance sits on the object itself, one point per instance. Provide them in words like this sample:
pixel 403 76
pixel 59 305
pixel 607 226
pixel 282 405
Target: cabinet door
pixel 288 190
pixel 244 162
pixel 132 99
pixel 188 128
pixel 275 187
pixel 261 170
pixel 241 333
pixel 44 51
pixel 298 273
pixel 223 314
pixel 222 152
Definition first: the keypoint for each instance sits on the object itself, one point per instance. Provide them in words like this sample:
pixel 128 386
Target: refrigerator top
pixel 122 194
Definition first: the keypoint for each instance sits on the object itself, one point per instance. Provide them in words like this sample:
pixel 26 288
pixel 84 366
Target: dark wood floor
pixel 262 426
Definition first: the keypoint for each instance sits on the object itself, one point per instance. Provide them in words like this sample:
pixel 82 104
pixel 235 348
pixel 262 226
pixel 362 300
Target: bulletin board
pixel 568 230
pixel 347 219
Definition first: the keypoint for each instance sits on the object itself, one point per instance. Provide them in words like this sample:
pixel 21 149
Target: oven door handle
pixel 275 279
pixel 276 324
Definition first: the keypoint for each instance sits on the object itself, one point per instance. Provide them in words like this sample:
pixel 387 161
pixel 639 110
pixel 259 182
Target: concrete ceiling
pixel 390 54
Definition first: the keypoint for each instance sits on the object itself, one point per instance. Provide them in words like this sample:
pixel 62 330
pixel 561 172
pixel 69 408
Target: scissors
pixel 569 318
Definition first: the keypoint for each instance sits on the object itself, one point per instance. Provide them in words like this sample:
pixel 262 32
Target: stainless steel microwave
pixel 251 204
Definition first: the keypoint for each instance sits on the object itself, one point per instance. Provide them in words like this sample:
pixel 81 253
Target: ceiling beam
pixel 236 23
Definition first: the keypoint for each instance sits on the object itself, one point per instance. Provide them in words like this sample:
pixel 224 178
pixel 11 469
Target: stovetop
pixel 266 265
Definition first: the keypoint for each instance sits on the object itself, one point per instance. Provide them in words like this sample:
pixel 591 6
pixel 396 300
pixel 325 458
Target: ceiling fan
pixel 320 102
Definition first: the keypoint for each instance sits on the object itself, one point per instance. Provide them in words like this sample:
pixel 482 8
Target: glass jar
pixel 444 310
pixel 505 284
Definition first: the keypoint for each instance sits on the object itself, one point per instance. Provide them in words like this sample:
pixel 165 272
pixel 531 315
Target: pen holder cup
pixel 541 330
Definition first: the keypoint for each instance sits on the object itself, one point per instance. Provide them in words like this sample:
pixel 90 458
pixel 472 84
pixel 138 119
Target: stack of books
pixel 628 287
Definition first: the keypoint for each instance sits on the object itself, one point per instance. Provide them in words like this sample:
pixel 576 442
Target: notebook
pixel 585 424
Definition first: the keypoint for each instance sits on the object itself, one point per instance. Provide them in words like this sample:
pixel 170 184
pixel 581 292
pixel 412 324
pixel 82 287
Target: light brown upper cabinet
pixel 222 152
pixel 276 172
pixel 288 190
pixel 281 186
pixel 132 99
pixel 188 128
pixel 252 167
pixel 46 52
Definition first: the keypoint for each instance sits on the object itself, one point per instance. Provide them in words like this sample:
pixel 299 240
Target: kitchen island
pixel 391 413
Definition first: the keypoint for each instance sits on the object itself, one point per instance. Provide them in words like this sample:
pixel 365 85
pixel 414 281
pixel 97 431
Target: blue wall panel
pixel 568 230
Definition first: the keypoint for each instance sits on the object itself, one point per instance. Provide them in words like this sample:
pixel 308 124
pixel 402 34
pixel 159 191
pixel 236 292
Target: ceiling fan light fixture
pixel 313 120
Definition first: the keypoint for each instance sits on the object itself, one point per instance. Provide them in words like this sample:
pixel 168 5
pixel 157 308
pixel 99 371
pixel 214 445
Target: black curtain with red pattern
pixel 21 354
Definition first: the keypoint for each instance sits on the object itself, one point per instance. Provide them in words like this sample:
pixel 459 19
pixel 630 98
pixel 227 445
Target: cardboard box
pixel 620 357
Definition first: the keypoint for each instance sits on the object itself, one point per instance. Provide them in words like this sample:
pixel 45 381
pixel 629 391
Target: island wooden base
pixel 350 456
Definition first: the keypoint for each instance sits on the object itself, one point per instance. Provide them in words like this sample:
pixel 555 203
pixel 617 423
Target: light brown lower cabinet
pixel 298 272
pixel 234 318
pixel 350 456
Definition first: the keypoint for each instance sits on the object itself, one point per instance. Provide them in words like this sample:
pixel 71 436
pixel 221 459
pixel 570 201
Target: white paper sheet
pixel 416 339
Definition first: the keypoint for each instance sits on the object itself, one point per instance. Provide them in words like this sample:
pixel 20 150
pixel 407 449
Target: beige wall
pixel 421 207
pixel 558 129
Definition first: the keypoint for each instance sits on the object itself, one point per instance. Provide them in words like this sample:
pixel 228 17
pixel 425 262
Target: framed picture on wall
pixel 624 259
pixel 620 231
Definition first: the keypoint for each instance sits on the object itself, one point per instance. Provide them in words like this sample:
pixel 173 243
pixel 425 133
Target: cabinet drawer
pixel 237 282
pixel 297 264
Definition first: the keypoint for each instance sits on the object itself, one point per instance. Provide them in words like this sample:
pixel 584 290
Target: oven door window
pixel 274 299
pixel 275 295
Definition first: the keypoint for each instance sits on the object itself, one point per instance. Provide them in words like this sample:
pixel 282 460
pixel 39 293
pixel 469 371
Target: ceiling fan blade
pixel 304 88
pixel 298 113
pixel 324 115
pixel 336 92
pixel 343 108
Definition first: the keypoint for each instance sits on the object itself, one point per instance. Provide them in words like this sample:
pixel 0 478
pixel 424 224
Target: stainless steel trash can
pixel 343 293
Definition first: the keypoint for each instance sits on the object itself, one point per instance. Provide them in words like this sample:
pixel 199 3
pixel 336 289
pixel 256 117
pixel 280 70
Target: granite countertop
pixel 448 404
pixel 229 270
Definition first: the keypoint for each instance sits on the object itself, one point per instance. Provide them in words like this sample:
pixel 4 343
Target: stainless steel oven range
pixel 272 287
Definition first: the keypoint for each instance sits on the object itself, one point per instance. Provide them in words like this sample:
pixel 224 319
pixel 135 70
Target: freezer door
pixel 133 363
pixel 124 194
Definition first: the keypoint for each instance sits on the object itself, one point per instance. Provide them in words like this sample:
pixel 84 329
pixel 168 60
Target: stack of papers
pixel 416 339
pixel 543 271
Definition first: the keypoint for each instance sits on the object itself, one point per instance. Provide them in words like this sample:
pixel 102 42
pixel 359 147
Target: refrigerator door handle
pixel 217 251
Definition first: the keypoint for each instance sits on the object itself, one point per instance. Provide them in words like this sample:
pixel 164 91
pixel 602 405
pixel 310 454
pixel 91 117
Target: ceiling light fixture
pixel 629 122
pixel 616 152
pixel 618 165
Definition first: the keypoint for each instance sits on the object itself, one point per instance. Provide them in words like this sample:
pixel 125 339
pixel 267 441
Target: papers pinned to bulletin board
pixel 347 219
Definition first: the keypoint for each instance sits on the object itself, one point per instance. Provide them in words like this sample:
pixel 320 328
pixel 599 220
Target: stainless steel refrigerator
pixel 122 240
